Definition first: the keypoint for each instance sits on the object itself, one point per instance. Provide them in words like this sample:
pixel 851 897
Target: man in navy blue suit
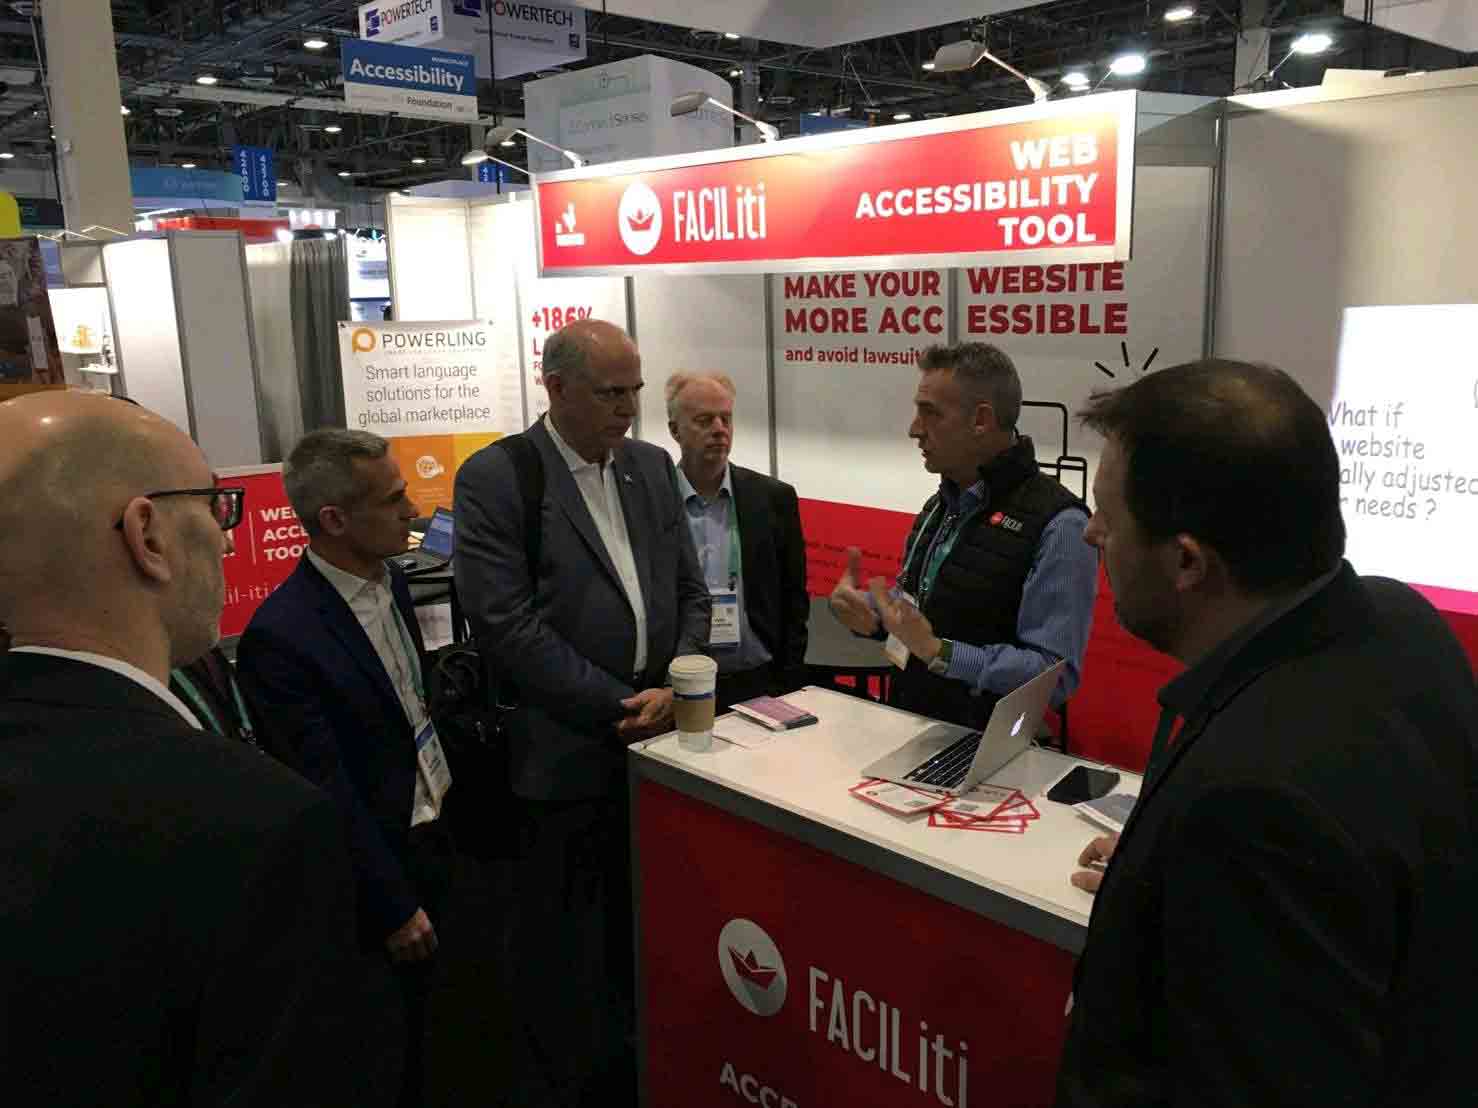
pixel 336 661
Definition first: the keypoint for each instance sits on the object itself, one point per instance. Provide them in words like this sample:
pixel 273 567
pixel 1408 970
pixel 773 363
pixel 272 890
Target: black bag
pixel 477 804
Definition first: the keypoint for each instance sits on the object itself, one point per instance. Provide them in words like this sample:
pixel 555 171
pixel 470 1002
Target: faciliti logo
pixel 564 228
pixel 639 219
pixel 752 967
pixel 1001 519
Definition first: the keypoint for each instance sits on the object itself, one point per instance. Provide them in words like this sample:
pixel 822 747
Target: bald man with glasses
pixel 177 921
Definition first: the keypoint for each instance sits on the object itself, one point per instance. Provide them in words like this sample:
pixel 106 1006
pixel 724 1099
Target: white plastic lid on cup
pixel 693 674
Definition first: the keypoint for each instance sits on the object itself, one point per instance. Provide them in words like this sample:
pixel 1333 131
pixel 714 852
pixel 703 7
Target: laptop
pixel 952 759
pixel 435 551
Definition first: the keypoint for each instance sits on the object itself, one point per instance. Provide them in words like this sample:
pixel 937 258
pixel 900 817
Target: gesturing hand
pixel 1096 854
pixel 902 618
pixel 849 602
pixel 414 940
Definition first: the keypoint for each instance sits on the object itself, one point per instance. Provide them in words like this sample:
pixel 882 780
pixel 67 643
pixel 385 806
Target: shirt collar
pixel 123 669
pixel 1187 692
pixel 687 491
pixel 954 498
pixel 573 460
pixel 346 584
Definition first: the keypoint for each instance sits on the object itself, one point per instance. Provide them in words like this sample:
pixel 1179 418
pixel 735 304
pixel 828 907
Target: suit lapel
pixel 752 515
pixel 636 506
pixel 560 483
pixel 342 623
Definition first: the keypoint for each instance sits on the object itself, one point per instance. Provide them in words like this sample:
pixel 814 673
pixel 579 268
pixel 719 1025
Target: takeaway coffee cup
pixel 693 677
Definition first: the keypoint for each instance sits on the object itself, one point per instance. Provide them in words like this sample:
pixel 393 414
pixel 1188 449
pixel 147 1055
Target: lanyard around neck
pixel 198 702
pixel 412 659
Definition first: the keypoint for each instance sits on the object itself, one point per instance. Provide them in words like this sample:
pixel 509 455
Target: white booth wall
pixel 1337 201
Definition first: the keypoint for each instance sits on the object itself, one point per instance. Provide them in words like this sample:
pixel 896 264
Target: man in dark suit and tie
pixel 176 911
pixel 335 660
pixel 582 640
pixel 746 527
pixel 1288 915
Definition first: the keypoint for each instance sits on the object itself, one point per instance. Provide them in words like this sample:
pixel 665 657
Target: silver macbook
pixel 952 759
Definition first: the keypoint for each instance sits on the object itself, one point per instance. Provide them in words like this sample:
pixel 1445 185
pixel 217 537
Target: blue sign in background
pixel 407 67
pixel 257 168
pixel 492 173
pixel 185 184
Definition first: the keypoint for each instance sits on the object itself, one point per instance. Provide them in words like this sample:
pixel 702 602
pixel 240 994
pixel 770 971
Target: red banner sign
pixel 1051 181
pixel 269 541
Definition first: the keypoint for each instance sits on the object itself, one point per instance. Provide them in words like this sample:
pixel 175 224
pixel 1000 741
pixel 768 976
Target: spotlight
pixel 1127 65
pixel 315 44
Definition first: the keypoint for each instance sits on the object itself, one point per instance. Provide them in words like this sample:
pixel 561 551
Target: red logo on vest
pixel 1001 519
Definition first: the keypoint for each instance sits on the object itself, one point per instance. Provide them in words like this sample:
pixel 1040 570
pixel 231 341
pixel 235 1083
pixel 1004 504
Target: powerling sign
pixel 406 80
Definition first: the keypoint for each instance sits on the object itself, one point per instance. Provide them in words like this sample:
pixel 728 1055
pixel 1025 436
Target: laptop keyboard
pixel 948 768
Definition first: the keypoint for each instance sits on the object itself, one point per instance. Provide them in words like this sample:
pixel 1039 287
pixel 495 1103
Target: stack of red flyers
pixel 986 808
pixel 901 800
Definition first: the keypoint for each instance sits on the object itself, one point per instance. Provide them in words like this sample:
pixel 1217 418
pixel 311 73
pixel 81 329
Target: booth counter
pixel 794 939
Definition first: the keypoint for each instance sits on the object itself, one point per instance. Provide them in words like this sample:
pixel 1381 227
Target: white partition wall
pixel 430 266
pixel 184 335
pixel 1338 201
pixel 216 345
pixel 142 290
pixel 706 323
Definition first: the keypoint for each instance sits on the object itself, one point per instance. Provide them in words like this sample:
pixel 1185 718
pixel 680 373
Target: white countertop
pixel 809 770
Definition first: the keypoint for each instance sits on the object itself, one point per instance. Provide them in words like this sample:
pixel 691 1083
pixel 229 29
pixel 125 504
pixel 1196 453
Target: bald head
pixel 592 370
pixel 585 344
pixel 71 465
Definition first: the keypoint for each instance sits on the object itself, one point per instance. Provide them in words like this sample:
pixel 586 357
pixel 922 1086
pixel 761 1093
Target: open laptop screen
pixel 440 534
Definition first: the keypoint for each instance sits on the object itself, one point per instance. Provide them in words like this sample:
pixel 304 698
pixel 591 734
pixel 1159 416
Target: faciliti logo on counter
pixel 639 219
pixel 752 967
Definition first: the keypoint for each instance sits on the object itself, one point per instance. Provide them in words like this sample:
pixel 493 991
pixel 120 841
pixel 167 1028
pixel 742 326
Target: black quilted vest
pixel 977 593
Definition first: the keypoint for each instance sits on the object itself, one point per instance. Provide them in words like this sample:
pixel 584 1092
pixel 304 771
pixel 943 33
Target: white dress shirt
pixel 373 606
pixel 123 669
pixel 597 484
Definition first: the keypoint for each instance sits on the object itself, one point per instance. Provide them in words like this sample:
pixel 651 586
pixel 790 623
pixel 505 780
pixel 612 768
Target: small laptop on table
pixel 435 551
pixel 951 759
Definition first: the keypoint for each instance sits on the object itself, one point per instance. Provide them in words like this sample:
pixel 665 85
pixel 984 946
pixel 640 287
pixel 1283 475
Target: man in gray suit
pixel 583 641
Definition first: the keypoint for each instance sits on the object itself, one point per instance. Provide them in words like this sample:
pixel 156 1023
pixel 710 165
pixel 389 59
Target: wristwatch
pixel 940 665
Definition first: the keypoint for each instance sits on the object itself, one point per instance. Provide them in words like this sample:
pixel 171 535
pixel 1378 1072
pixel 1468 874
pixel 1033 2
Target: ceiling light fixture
pixel 418 161
pixel 123 110
pixel 345 173
pixel 332 129
pixel 732 36
pixel 207 79
pixel 902 117
pixel 1128 64
pixel 7 154
pixel 503 136
pixel 736 73
pixel 315 44
pixel 927 65
pixel 1315 42
pixel 956 57
pixel 690 102
pixel 187 165
pixel 1075 79
pixel 1180 13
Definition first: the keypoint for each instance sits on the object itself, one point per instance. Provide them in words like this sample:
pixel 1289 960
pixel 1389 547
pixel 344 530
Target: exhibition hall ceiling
pixel 864 60
pixel 810 22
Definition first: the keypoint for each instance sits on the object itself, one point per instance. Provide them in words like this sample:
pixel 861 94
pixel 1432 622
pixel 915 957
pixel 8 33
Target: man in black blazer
pixel 334 658
pixel 1287 917
pixel 746 528
pixel 582 642
pixel 176 911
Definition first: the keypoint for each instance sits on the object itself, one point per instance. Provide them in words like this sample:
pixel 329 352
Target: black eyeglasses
pixel 226 504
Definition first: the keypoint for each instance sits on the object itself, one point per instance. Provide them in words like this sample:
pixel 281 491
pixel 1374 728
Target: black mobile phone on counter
pixel 1083 783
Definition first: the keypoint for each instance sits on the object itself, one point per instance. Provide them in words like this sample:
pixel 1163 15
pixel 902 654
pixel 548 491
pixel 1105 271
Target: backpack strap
pixel 528 467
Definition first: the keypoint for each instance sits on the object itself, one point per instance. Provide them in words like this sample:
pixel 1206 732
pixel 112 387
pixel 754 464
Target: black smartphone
pixel 1083 783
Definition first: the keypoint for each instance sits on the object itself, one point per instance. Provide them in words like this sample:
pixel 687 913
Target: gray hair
pixel 565 353
pixel 985 372
pixel 320 472
pixel 679 381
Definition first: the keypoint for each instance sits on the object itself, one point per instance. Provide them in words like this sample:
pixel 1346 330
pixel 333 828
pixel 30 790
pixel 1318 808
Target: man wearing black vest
pixel 1000 579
